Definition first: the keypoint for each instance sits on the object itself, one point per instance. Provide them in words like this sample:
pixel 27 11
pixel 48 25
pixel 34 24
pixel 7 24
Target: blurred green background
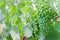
pixel 29 19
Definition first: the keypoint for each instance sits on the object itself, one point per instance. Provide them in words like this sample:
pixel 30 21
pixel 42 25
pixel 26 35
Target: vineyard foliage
pixel 29 19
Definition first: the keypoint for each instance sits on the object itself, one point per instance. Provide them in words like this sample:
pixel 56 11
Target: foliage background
pixel 33 19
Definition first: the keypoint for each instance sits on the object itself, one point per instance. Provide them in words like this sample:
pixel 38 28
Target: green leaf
pixel 20 25
pixel 57 26
pixel 33 38
pixel 9 37
pixel 25 9
pixel 20 5
pixel 12 10
pixel 52 36
pixel 27 3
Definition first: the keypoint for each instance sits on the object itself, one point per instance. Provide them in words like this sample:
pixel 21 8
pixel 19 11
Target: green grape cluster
pixel 42 22
pixel 47 12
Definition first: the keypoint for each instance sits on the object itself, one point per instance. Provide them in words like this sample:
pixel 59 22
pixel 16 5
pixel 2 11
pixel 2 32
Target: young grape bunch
pixel 42 22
